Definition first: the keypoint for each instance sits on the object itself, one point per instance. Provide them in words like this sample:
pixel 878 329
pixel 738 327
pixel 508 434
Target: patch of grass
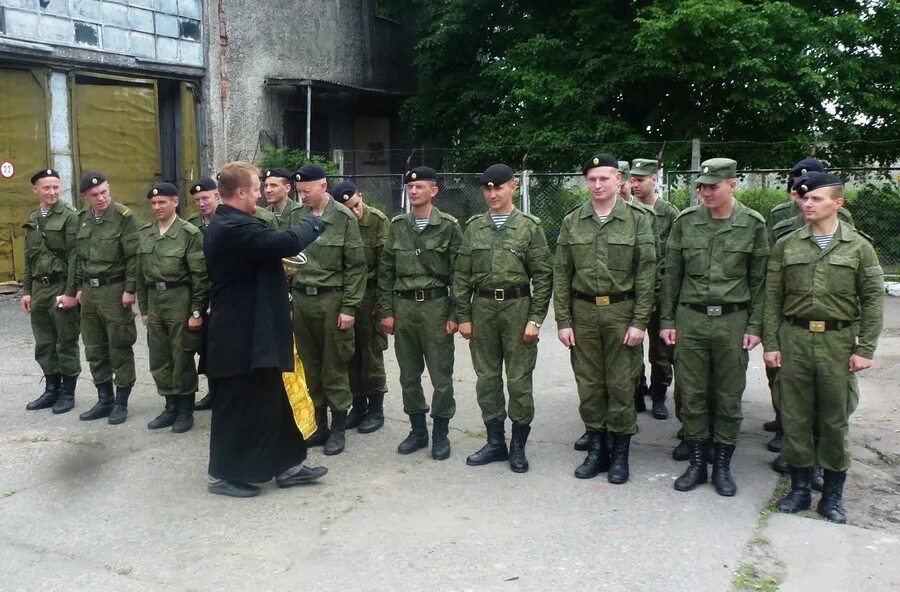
pixel 9 492
pixel 747 577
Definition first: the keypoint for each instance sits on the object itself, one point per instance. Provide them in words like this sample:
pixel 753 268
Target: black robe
pixel 253 435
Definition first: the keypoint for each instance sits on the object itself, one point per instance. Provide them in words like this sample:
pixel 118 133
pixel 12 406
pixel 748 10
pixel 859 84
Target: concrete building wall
pixel 339 41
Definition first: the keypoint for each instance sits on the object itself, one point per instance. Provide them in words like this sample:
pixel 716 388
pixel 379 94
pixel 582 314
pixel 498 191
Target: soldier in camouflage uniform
pixel 368 382
pixel 603 285
pixel 416 307
pixel 107 243
pixel 327 291
pixel 277 189
pixel 823 315
pixel 205 193
pixel 712 303
pixel 504 254
pixel 50 288
pixel 173 289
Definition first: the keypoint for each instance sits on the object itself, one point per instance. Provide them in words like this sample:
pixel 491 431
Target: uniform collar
pixel 618 211
pixel 329 212
pixel 433 220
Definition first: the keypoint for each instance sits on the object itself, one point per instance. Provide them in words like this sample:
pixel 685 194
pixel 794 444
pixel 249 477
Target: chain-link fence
pixel 873 197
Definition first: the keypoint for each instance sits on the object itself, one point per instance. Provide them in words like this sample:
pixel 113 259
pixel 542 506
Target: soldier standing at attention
pixel 107 243
pixel 205 193
pixel 50 288
pixel 327 292
pixel 504 254
pixel 173 289
pixel 603 283
pixel 368 382
pixel 643 187
pixel 712 301
pixel 416 308
pixel 277 189
pixel 823 314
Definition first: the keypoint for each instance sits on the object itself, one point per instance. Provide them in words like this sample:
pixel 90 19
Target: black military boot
pixel 618 465
pixel 696 473
pixel 357 412
pixel 817 482
pixel 184 418
pixel 336 439
pixel 374 417
pixel 168 415
pixel 418 435
pixel 774 445
pixel 640 391
pixel 52 384
pixel 709 450
pixel 320 436
pixel 104 404
pixel 495 449
pixel 440 443
pixel 799 497
pixel 517 461
pixel 658 396
pixel 205 403
pixel 120 407
pixel 780 466
pixel 597 459
pixel 831 505
pixel 721 473
pixel 584 442
pixel 66 400
pixel 682 452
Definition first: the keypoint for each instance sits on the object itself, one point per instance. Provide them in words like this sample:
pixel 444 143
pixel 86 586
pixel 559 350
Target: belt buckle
pixel 419 295
pixel 45 280
pixel 500 295
pixel 817 326
pixel 601 300
pixel 161 286
pixel 714 311
pixel 94 282
pixel 311 290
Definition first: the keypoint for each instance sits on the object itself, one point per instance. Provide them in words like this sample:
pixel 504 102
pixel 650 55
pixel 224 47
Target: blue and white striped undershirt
pixel 422 223
pixel 45 213
pixel 823 239
pixel 499 219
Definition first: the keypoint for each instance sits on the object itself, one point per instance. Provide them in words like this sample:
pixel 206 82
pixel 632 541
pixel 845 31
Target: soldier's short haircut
pixel 236 175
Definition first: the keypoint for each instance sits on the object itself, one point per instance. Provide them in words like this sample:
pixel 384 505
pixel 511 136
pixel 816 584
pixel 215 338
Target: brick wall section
pixel 162 30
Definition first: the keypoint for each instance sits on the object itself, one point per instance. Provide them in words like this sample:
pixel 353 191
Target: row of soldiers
pixel 695 281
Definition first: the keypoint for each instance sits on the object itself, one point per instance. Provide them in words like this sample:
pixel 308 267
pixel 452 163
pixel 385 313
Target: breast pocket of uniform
pixel 106 249
pixel 735 258
pixel 56 236
pixel 327 252
pixel 620 252
pixel 83 242
pixel 695 254
pixel 406 261
pixel 481 259
pixel 797 272
pixel 841 274
pixel 171 257
pixel 584 252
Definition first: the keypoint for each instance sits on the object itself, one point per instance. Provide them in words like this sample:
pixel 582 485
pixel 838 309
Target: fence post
pixel 525 191
pixel 404 200
pixel 337 155
pixel 695 166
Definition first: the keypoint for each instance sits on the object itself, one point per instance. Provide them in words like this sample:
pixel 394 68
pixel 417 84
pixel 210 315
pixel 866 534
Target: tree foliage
pixel 764 82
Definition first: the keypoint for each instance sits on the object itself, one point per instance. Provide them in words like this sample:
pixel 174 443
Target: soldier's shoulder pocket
pixel 873 270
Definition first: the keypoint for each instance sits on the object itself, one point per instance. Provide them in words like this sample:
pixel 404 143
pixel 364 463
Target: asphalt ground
pixel 89 506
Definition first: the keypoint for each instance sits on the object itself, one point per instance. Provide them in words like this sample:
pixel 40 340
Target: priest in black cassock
pixel 253 434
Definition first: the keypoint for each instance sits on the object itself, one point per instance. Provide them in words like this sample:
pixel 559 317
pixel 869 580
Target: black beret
pixel 205 184
pixel 600 160
pixel 816 180
pixel 806 165
pixel 343 191
pixel 43 174
pixel 422 173
pixel 278 172
pixel 496 174
pixel 310 172
pixel 166 189
pixel 91 180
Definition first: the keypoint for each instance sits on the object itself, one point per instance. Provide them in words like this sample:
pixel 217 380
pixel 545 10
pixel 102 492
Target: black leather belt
pixel 500 294
pixel 104 280
pixel 423 295
pixel 48 280
pixel 820 326
pixel 716 310
pixel 316 290
pixel 605 299
pixel 163 286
